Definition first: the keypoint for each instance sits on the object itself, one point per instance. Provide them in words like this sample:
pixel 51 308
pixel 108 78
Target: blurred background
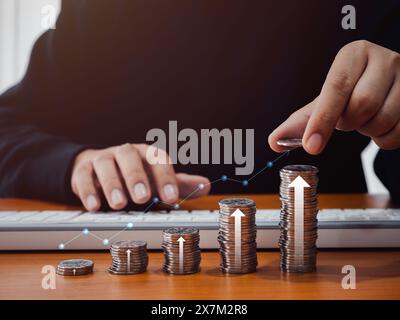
pixel 23 21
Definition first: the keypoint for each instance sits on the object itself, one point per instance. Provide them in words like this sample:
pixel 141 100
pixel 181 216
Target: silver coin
pixel 129 244
pixel 237 202
pixel 290 144
pixel 75 264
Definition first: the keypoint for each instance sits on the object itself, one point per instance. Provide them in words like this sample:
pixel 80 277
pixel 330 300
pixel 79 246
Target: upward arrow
pixel 299 184
pixel 238 237
pixel 181 241
pixel 128 252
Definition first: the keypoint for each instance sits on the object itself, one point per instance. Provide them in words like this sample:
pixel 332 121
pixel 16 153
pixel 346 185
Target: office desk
pixel 378 271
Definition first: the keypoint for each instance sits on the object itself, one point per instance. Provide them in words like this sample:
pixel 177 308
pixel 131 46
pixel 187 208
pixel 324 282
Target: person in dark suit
pixel 74 128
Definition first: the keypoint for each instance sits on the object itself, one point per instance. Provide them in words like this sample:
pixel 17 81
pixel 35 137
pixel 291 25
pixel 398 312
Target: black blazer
pixel 112 70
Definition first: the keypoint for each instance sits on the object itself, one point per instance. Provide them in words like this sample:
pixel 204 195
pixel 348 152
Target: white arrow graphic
pixel 128 252
pixel 299 184
pixel 181 241
pixel 238 237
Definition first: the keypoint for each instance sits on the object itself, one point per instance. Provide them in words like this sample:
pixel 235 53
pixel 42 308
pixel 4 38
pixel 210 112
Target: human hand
pixel 124 172
pixel 361 92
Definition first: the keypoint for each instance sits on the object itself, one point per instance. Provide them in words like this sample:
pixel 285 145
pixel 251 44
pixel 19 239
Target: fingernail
pixel 169 191
pixel 140 190
pixel 314 143
pixel 91 202
pixel 116 197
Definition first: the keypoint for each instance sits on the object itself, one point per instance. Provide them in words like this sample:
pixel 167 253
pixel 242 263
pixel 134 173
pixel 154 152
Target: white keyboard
pixel 46 230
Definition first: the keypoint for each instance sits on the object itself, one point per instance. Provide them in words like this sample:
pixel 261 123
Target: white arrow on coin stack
pixel 238 237
pixel 181 241
pixel 299 184
pixel 128 252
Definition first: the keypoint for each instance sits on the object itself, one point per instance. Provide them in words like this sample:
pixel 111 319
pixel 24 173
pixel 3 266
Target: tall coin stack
pixel 75 267
pixel 181 250
pixel 298 238
pixel 237 257
pixel 128 257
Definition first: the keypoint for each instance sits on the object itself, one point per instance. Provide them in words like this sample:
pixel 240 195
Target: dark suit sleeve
pixel 386 33
pixel 34 162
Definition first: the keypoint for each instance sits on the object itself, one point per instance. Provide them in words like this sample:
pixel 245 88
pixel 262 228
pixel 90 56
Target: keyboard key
pixel 206 219
pixel 38 217
pixel 379 214
pixel 5 214
pixel 96 217
pixel 267 215
pixel 202 212
pixel 330 215
pixel 180 216
pixel 394 214
pixel 155 217
pixel 354 215
pixel 18 216
pixel 62 216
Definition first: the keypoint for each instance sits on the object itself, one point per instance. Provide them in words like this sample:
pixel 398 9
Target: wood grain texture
pixel 378 271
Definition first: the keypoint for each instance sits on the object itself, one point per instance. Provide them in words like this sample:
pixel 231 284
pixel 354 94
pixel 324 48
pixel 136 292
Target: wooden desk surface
pixel 378 271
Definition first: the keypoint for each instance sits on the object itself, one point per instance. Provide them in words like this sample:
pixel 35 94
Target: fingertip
pixel 141 193
pixel 170 193
pixel 118 200
pixel 272 141
pixel 92 203
pixel 273 144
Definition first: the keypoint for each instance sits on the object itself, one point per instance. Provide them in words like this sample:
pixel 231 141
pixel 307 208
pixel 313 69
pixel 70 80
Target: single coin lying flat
pixel 290 143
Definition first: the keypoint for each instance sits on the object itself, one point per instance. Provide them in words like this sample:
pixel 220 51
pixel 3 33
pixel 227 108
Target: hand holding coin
pixel 361 93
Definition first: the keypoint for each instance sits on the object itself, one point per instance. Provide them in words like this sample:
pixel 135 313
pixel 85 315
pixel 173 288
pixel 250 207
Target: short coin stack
pixel 75 267
pixel 181 250
pixel 298 238
pixel 128 257
pixel 290 144
pixel 246 262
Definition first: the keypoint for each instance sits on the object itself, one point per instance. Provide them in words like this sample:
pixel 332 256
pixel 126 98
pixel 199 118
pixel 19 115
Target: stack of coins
pixel 181 250
pixel 128 257
pixel 75 267
pixel 298 234
pixel 238 256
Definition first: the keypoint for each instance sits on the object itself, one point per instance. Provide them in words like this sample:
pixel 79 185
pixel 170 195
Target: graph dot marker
pixel 85 231
pixel 201 186
pixel 61 246
pixel 270 164
pixel 156 200
pixel 224 178
pixel 105 242
pixel 129 225
pixel 245 183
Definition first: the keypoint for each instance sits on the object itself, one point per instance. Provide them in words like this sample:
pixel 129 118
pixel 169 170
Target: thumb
pixel 193 185
pixel 293 127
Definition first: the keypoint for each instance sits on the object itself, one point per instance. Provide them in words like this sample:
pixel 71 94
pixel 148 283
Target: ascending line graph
pixel 176 206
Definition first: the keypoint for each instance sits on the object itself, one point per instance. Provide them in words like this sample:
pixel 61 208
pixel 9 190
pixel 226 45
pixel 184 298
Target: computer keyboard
pixel 46 230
